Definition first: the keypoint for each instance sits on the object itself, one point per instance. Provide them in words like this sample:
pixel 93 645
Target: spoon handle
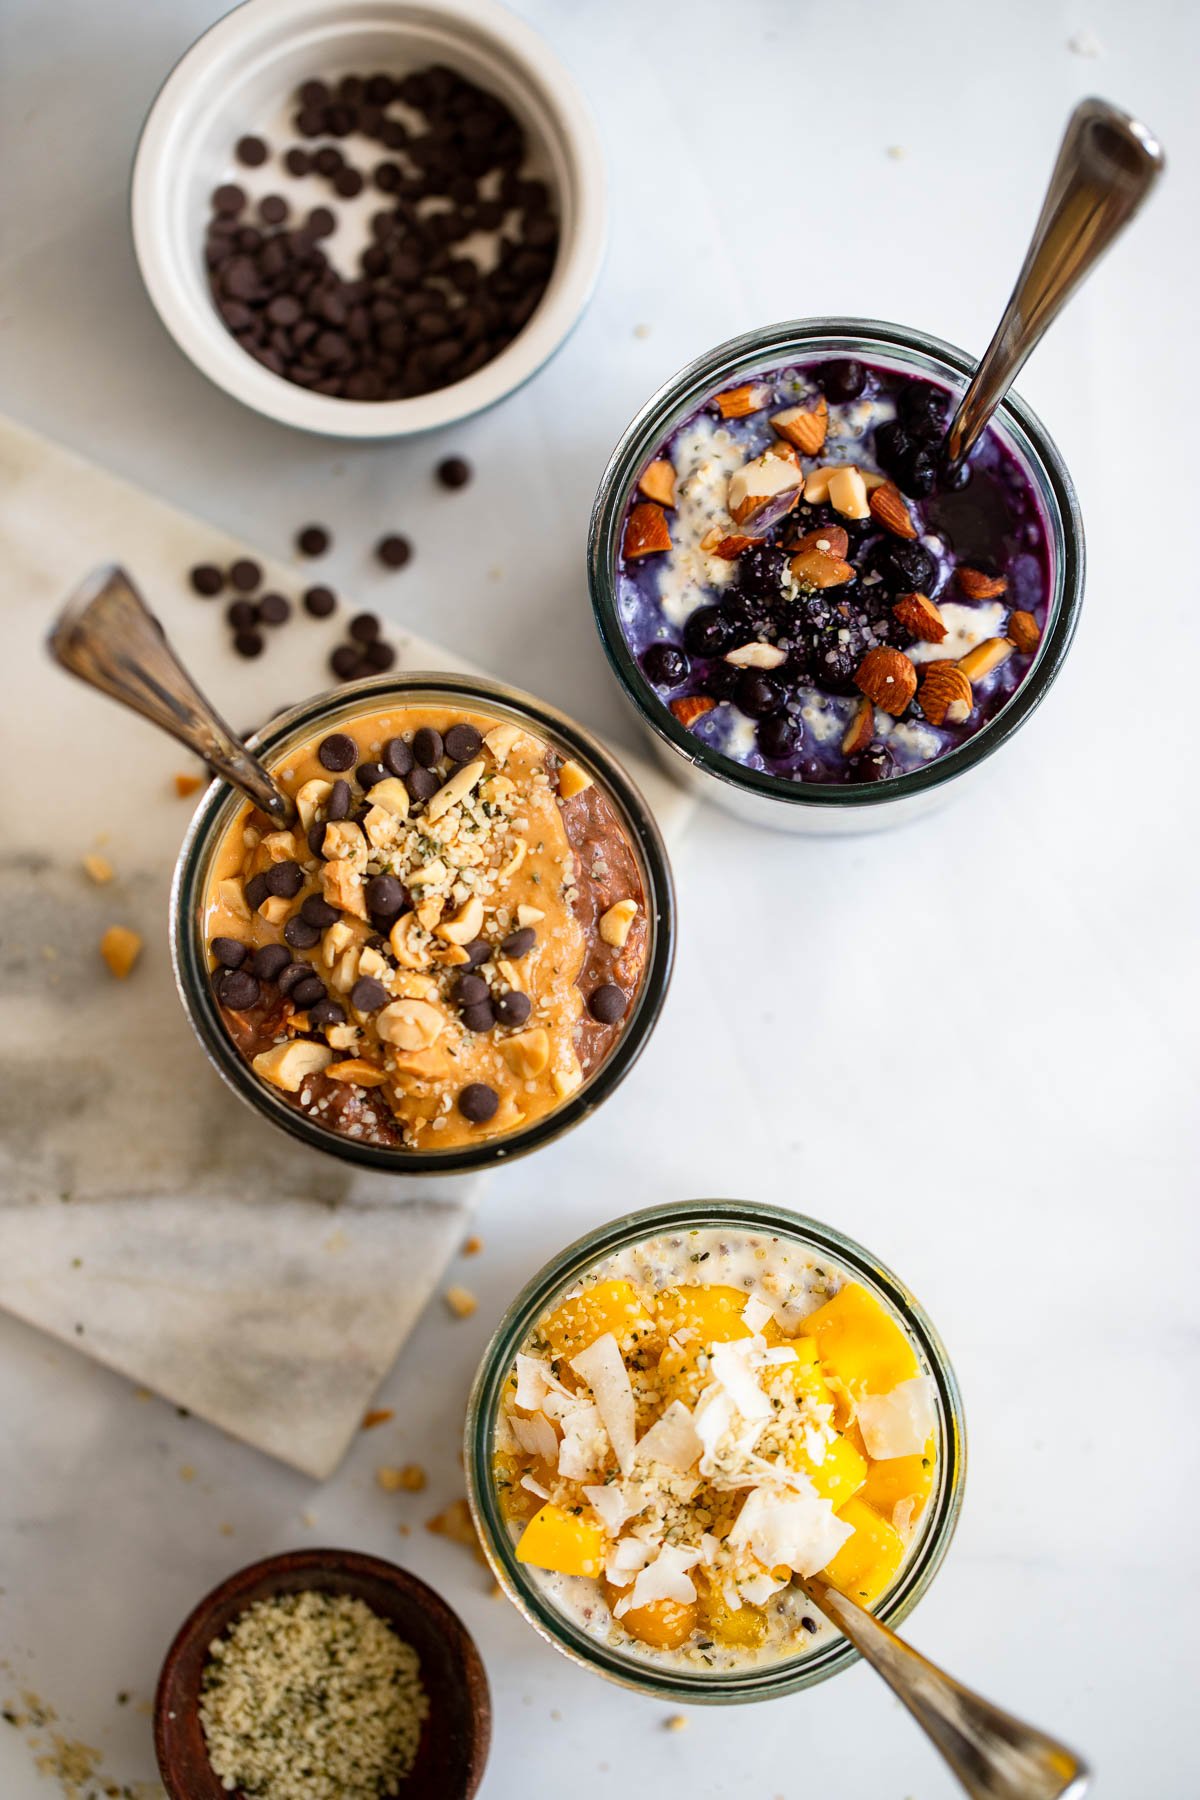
pixel 1107 164
pixel 108 637
pixel 995 1756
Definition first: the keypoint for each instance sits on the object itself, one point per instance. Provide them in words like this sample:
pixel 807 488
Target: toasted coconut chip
pixel 666 1578
pixel 900 1423
pixel 602 1366
pixel 789 1530
pixel 731 1367
pixel 672 1439
pixel 537 1437
pixel 610 1503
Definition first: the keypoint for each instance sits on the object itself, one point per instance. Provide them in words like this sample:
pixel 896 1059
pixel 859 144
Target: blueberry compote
pixel 793 530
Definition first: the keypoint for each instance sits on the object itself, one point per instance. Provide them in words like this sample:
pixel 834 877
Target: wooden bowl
pixel 455 1737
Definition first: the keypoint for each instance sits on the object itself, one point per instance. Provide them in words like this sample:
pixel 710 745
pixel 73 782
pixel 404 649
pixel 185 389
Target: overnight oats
pixel 450 941
pixel 704 1418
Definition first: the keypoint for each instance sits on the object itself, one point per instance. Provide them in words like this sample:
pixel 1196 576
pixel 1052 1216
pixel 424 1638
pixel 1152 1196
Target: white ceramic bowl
pixel 239 78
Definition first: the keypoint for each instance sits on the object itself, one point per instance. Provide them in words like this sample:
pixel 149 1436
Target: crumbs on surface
pixel 312 1696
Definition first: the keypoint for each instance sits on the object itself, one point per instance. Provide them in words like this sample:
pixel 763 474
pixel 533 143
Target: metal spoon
pixel 1107 165
pixel 995 1756
pixel 108 637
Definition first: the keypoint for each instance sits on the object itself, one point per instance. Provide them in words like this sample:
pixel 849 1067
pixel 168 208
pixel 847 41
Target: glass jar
pixel 328 712
pixel 754 794
pixel 756 1682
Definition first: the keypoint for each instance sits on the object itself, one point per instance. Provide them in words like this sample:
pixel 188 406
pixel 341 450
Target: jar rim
pixel 738 357
pixel 219 806
pixel 759 1682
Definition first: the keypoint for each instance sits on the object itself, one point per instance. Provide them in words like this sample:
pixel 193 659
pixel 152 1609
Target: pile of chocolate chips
pixel 421 314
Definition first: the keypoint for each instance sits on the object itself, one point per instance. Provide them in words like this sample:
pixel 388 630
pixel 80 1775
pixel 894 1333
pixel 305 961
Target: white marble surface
pixel 973 1045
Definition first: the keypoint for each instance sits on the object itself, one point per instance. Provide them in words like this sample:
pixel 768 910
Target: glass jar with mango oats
pixel 458 946
pixel 686 1414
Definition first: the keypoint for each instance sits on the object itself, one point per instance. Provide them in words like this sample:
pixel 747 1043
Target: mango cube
pixel 861 1342
pixel 900 1478
pixel 665 1624
pixel 562 1542
pixel 712 1314
pixel 608 1306
pixel 838 1476
pixel 866 1564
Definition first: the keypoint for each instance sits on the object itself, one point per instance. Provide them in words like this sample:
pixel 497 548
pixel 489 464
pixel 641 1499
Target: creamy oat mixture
pixel 446 943
pixel 710 1414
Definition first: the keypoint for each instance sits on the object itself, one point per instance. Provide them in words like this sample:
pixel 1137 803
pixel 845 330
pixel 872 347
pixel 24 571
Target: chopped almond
pixel 985 657
pixel 888 678
pixel 978 586
pixel 573 778
pixel 378 1415
pixel 946 697
pixel 729 546
pixel 860 730
pixel 815 569
pixel 646 531
pixel 692 707
pixel 97 868
pixel 461 1301
pixel 806 430
pixel 832 539
pixel 1025 632
pixel 658 482
pixel 357 1070
pixel 739 402
pixel 120 949
pixel 918 614
pixel 186 785
pixel 848 493
pixel 889 507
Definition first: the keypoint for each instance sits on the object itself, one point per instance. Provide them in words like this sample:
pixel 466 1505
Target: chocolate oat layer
pixel 446 943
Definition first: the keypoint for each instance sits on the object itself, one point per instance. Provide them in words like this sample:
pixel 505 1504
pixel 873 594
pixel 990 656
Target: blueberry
pixel 893 446
pixel 666 665
pixel 708 632
pixel 778 736
pixel 916 473
pixel 721 681
pixel 906 566
pixel 757 694
pixel 841 381
pixel 922 410
pixel 760 572
pixel 874 764
pixel 834 660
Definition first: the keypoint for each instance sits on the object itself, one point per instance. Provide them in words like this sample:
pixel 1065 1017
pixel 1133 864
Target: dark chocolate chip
pixel 327 1012
pixel 607 1004
pixel 513 1008
pixel 273 209
pixel 398 756
pixel 454 472
pixel 393 551
pixel 478 951
pixel 237 990
pixel 249 643
pixel 368 773
pixel 285 879
pixel 245 575
pixel 251 151
pixel 469 990
pixel 320 602
pixel 228 199
pixel 346 662
pixel 308 992
pixel 385 894
pixel 462 743
pixel 339 802
pixel 242 615
pixel 256 891
pixel 313 540
pixel 348 182
pixel 274 609
pixel 480 1017
pixel 379 656
pixel 422 785
pixel 316 910
pixel 270 962
pixel 478 1102
pixel 337 752
pixel 363 627
pixel 300 934
pixel 295 972
pixel 297 161
pixel 428 747
pixel 229 952
pixel 368 995
pixel 207 579
pixel 320 223
pixel 316 839
pixel 519 943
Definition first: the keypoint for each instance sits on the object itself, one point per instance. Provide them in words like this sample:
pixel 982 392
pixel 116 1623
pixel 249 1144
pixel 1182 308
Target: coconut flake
pixel 902 1516
pixel 756 1590
pixel 584 1443
pixel 731 1367
pixel 627 1557
pixel 672 1439
pixel 537 1436
pixel 602 1366
pixel 789 1530
pixel 666 1578
pixel 535 1487
pixel 608 1501
pixel 899 1423
pixel 756 1314
pixel 533 1382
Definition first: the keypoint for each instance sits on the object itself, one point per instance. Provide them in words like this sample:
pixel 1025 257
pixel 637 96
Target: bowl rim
pixel 215 811
pixel 816 337
pixel 201 336
pixel 322 1565
pixel 767 1681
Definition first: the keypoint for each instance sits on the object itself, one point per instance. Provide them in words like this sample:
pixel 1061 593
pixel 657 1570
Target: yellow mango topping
pixel 608 1306
pixel 839 1476
pixel 665 1624
pixel 900 1478
pixel 867 1563
pixel 861 1342
pixel 713 1315
pixel 745 1628
pixel 561 1541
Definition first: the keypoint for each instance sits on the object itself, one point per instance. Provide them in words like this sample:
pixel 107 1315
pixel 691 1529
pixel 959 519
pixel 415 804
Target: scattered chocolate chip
pixel 273 209
pixel 237 990
pixel 346 662
pixel 274 609
pixel 462 743
pixel 368 774
pixel 207 580
pixel 229 952
pixel 454 472
pixel 327 1012
pixel 309 991
pixel 398 756
pixel 513 1008
pixel 480 1017
pixel 607 1004
pixel 289 978
pixel 379 656
pixel 478 1102
pixel 469 990
pixel 270 962
pixel 315 837
pixel 368 995
pixel 313 540
pixel 251 151
pixel 320 223
pixel 256 891
pixel 478 951
pixel 319 602
pixel 340 800
pixel 242 614
pixel 393 551
pixel 428 747
pixel 422 785
pixel 297 161
pixel 300 934
pixel 228 200
pixel 348 182
pixel 337 752
pixel 316 910
pixel 519 943
pixel 248 643
pixel 363 627
pixel 245 575
pixel 285 879
pixel 384 894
